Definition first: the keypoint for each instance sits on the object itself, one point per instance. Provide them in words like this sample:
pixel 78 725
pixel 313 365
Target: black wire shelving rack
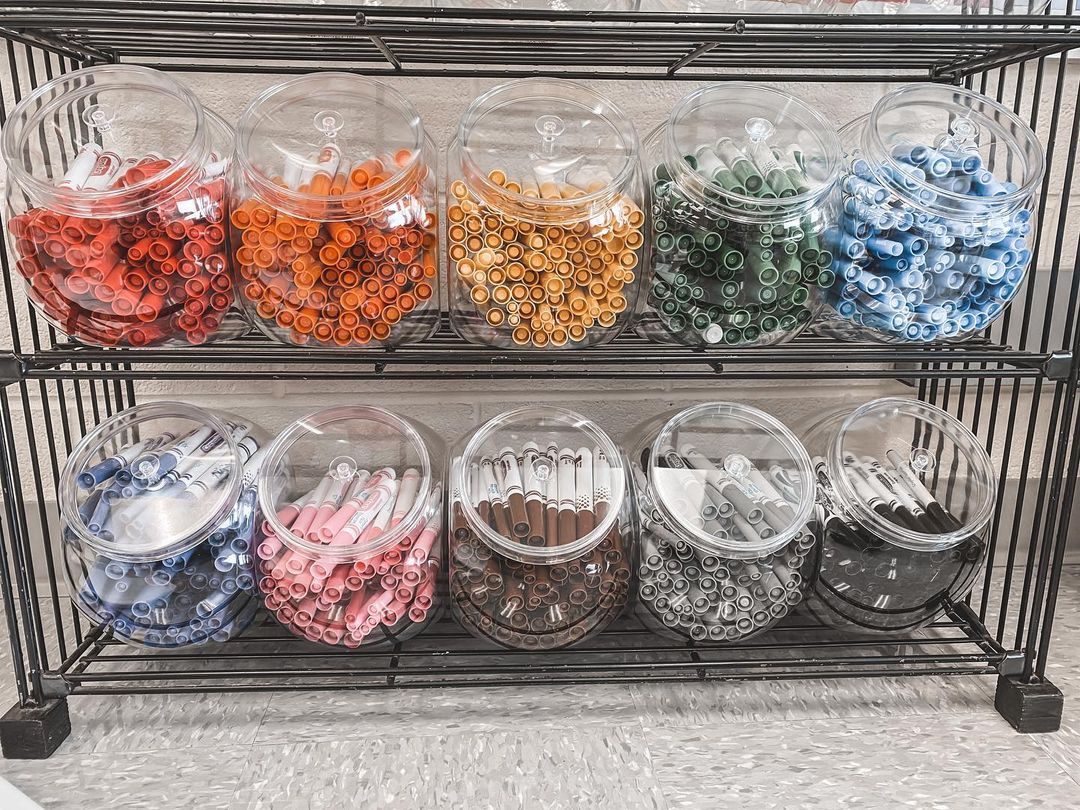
pixel 1015 386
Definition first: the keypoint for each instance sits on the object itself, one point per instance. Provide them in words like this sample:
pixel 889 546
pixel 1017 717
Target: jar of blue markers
pixel 158 511
pixel 938 226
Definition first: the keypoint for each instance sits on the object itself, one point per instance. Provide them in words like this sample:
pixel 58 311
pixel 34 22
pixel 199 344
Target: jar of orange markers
pixel 544 221
pixel 116 209
pixel 334 222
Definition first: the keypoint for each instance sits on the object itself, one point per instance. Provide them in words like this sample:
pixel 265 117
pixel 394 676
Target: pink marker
pixel 270 547
pixel 421 550
pixel 417 614
pixel 331 503
pixel 355 612
pixel 333 635
pixel 375 606
pixel 310 506
pixel 410 483
pixel 354 503
pixel 300 585
pixel 335 584
pixel 377 527
pixel 380 501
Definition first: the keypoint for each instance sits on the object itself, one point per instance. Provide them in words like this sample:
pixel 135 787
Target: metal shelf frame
pixel 1015 386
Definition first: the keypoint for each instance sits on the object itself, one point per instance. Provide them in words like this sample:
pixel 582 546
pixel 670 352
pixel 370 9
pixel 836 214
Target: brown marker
pixel 551 499
pixel 458 527
pixel 534 494
pixel 513 492
pixel 567 489
pixel 601 482
pixel 494 497
pixel 586 517
pixel 476 491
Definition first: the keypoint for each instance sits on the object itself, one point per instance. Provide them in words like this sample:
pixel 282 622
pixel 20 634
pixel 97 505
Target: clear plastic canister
pixel 158 509
pixel 541 541
pixel 334 234
pixel 116 205
pixel 937 229
pixel 350 548
pixel 743 180
pixel 905 492
pixel 724 495
pixel 544 221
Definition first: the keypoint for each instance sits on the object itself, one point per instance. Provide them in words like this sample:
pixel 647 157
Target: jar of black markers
pixel 905 492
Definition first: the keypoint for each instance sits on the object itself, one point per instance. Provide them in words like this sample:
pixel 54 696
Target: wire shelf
pixel 277 38
pixel 268 658
pixel 55 391
pixel 446 356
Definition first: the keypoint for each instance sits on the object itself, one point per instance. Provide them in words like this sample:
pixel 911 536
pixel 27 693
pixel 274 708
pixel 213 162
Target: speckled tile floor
pixel 903 742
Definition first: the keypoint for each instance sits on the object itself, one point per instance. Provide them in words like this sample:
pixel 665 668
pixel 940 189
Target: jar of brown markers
pixel 541 548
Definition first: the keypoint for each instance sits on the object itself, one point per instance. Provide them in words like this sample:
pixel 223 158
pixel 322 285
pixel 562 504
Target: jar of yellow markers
pixel 544 221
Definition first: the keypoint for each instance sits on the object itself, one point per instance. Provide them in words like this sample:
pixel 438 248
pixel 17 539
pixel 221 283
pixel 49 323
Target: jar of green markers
pixel 743 185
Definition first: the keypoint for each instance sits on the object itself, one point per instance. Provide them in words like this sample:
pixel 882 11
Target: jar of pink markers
pixel 349 547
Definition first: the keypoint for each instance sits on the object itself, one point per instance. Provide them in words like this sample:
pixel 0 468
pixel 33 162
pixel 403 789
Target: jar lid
pixel 753 146
pixel 546 144
pixel 541 484
pixel 913 473
pixel 153 481
pixel 347 482
pixel 105 141
pixel 731 479
pixel 311 144
pixel 952 150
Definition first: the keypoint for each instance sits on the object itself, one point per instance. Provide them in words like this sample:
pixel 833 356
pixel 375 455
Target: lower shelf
pixel 268 658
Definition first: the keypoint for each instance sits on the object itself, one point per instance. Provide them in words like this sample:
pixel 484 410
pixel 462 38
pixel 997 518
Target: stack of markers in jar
pixel 560 280
pixel 733 583
pixel 353 560
pixel 726 272
pixel 352 262
pixel 870 583
pixel 510 582
pixel 108 277
pixel 926 249
pixel 152 579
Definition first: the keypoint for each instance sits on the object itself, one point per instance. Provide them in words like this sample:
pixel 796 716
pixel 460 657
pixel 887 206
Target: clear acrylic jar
pixel 544 222
pixel 905 492
pixel 742 180
pixel 334 234
pixel 724 495
pixel 349 544
pixel 541 538
pixel 938 217
pixel 158 512
pixel 116 208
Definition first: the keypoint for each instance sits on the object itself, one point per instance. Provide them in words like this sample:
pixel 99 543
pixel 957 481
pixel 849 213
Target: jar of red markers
pixel 116 208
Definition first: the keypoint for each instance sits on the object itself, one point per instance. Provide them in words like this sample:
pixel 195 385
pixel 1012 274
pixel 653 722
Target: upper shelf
pixel 205 35
pixel 446 356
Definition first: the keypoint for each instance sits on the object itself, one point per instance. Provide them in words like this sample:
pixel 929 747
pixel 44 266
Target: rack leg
pixel 34 732
pixel 1030 708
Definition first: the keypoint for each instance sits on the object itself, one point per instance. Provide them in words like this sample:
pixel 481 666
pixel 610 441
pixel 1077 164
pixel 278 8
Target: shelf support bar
pixel 384 49
pixel 739 27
